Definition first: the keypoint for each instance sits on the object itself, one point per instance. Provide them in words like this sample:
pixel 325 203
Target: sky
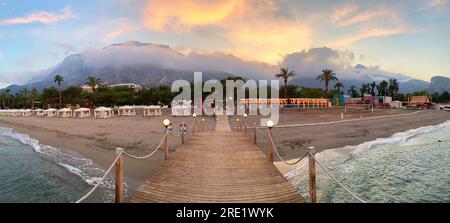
pixel 411 37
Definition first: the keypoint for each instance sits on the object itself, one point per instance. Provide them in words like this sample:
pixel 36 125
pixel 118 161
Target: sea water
pixel 33 172
pixel 412 166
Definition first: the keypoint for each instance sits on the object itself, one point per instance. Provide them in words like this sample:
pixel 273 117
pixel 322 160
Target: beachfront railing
pixel 120 152
pixel 310 153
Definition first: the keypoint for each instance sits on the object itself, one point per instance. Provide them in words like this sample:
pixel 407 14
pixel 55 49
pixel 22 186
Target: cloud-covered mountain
pixel 309 64
pixel 439 84
pixel 150 64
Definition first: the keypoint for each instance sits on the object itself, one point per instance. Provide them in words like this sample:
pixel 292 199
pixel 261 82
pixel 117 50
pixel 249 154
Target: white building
pixel 135 87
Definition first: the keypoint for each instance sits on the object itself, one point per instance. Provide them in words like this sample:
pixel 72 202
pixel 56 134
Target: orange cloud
pixel 438 3
pixel 364 34
pixel 181 15
pixel 255 29
pixel 41 17
pixel 123 26
pixel 343 12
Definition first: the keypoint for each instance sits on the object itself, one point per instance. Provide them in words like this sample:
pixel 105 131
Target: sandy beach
pixel 97 139
pixel 292 142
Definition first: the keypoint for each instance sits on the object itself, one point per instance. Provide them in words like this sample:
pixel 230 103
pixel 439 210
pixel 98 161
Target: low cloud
pixel 135 54
pixel 41 17
pixel 310 63
pixel 257 29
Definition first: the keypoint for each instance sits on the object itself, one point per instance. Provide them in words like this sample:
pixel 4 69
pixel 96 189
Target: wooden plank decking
pixel 220 166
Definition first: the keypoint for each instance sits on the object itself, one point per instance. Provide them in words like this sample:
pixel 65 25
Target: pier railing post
pixel 270 149
pixel 254 133
pixel 119 177
pixel 312 174
pixel 182 133
pixel 166 147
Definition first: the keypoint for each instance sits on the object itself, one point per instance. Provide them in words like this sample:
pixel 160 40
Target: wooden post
pixel 119 177
pixel 245 127
pixel 254 133
pixel 182 133
pixel 342 115
pixel 312 175
pixel 193 126
pixel 270 150
pixel 166 147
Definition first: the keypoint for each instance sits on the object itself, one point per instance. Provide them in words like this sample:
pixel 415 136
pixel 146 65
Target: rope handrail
pixel 150 154
pixel 101 180
pixel 335 180
pixel 281 158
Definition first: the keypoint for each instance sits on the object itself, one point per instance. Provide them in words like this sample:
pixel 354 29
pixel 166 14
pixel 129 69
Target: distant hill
pixel 151 64
pixel 439 84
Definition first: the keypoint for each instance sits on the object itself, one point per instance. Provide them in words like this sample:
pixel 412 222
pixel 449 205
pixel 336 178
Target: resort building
pixel 135 87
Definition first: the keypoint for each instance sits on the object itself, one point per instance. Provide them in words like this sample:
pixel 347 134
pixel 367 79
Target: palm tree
pixel 373 85
pixel 326 77
pixel 34 96
pixel 353 92
pixel 24 94
pixel 7 91
pixel 393 87
pixel 382 88
pixel 285 74
pixel 339 86
pixel 59 79
pixel 93 82
pixel 365 88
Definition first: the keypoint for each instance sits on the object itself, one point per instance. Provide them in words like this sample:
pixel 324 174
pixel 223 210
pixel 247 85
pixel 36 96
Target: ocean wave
pixel 346 153
pixel 84 168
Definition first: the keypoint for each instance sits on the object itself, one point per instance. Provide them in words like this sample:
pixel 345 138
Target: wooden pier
pixel 219 166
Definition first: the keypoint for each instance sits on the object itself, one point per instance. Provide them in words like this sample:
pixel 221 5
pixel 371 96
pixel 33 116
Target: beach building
pixel 135 87
pixel 39 112
pixel 51 112
pixel 88 89
pixel 26 113
pixel 182 108
pixel 103 112
pixel 126 111
pixel 152 110
pixel 82 113
pixel 64 113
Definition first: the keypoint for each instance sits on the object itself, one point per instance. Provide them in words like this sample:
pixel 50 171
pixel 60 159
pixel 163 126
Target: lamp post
pixel 193 126
pixel 245 122
pixel 203 124
pixel 166 124
pixel 238 124
pixel 270 150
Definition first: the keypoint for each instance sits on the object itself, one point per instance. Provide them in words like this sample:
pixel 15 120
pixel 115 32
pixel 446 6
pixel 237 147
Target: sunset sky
pixel 410 37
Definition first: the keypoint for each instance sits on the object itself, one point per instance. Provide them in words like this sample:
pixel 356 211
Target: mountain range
pixel 150 64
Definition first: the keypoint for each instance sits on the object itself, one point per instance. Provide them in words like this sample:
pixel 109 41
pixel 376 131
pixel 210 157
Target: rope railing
pixel 281 158
pixel 335 179
pixel 150 154
pixel 312 161
pixel 121 152
pixel 100 181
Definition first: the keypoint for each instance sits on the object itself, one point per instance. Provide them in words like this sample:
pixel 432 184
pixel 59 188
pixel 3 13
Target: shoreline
pixel 97 139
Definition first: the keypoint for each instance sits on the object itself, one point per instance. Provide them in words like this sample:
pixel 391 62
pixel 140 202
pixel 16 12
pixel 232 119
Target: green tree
pixel 382 88
pixel 326 77
pixel 393 87
pixel 365 89
pixel 353 92
pixel 373 86
pixel 93 82
pixel 285 74
pixel 59 79
pixel 339 87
